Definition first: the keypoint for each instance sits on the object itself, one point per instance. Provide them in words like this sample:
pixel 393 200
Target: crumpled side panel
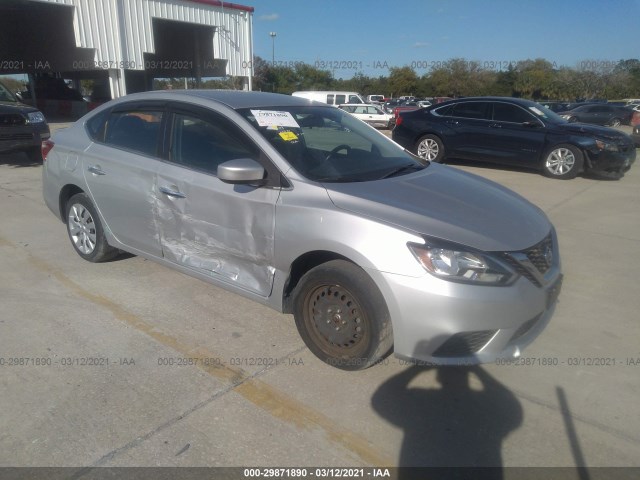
pixel 233 242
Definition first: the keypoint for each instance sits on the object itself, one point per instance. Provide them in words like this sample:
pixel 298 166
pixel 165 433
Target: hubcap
pixel 82 229
pixel 560 161
pixel 428 149
pixel 335 317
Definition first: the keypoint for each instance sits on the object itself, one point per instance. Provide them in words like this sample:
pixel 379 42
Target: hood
pixel 450 205
pixel 592 130
pixel 11 107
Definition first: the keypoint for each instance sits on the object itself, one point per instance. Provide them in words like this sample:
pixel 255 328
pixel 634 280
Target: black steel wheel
pixel 341 316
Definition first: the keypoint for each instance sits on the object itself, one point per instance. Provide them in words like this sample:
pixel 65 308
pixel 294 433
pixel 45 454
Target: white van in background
pixel 331 98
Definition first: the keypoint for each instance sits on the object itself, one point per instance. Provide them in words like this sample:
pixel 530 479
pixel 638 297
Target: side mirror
pixel 243 171
pixel 532 124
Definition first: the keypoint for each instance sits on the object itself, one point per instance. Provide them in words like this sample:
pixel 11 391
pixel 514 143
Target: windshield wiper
pixel 402 169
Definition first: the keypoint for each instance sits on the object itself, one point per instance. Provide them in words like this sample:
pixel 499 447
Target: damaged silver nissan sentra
pixel 304 208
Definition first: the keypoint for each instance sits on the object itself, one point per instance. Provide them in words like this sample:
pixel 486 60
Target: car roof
pixel 232 98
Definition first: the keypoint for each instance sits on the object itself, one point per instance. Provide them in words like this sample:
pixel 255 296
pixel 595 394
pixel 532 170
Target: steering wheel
pixel 337 149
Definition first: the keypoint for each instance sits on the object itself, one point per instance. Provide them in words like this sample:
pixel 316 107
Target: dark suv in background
pixel 512 131
pixel 22 127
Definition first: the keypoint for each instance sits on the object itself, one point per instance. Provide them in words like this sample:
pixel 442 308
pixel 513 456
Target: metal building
pixel 126 43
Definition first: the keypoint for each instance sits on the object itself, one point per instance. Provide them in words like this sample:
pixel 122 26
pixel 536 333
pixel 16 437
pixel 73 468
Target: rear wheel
pixel 85 230
pixel 563 162
pixel 616 122
pixel 430 148
pixel 341 316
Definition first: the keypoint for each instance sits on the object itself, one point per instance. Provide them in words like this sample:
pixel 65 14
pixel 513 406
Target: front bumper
pixel 611 164
pixel 22 137
pixel 438 322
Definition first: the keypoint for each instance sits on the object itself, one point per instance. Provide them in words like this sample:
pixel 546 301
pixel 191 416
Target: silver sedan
pixel 304 208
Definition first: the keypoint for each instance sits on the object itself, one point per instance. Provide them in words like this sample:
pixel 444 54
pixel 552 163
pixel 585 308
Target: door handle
pixel 495 125
pixel 172 193
pixel 96 170
pixel 451 122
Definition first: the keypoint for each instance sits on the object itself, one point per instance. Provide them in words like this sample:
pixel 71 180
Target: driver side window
pixel 203 144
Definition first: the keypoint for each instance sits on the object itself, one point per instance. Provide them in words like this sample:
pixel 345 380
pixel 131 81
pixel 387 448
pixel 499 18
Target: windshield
pixel 325 144
pixel 6 95
pixel 545 113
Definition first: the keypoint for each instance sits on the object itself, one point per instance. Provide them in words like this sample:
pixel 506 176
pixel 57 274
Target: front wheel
pixel 616 122
pixel 430 148
pixel 341 316
pixel 85 230
pixel 563 162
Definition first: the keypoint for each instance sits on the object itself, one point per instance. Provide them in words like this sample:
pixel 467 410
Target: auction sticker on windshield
pixel 272 118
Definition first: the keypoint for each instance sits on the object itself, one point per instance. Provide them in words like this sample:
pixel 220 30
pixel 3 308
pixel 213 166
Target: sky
pixel 371 35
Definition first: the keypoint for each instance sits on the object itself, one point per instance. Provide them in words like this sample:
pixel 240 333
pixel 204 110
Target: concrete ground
pixel 129 363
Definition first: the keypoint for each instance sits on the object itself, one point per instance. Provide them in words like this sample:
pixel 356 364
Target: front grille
pixel 464 344
pixel 7 137
pixel 538 255
pixel 537 263
pixel 11 119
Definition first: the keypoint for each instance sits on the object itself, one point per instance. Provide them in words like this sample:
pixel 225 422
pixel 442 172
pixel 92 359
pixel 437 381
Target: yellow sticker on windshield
pixel 288 136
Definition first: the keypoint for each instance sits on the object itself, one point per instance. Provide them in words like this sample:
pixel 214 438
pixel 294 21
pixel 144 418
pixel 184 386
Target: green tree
pixel 402 81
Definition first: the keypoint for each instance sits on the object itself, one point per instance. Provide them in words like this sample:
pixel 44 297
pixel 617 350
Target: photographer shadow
pixel 461 423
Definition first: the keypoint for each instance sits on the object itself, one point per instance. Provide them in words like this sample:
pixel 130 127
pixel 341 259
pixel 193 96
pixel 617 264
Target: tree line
pixel 536 79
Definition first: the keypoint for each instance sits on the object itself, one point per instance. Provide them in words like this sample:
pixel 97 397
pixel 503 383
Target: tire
pixel 616 122
pixel 85 230
pixel 34 154
pixel 563 162
pixel 341 316
pixel 430 147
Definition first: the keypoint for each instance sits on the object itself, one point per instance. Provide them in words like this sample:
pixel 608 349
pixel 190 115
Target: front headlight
pixel 610 147
pixel 462 266
pixel 35 117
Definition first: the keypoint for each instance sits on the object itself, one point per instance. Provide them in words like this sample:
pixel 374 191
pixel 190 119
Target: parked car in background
pixel 371 114
pixel 391 104
pixel 512 131
pixel 405 107
pixel 599 114
pixel 557 106
pixel 378 99
pixel 636 135
pixel 334 98
pixel 284 201
pixel 22 127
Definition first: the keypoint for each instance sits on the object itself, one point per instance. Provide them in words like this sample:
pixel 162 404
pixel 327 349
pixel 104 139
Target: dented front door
pixel 224 231
pixel 221 230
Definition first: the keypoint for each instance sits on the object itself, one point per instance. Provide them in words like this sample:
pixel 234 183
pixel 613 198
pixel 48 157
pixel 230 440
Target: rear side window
pixel 474 110
pixel 340 99
pixel 95 126
pixel 444 111
pixel 135 130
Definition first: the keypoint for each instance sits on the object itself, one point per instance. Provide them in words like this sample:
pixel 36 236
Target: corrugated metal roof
pixel 121 31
